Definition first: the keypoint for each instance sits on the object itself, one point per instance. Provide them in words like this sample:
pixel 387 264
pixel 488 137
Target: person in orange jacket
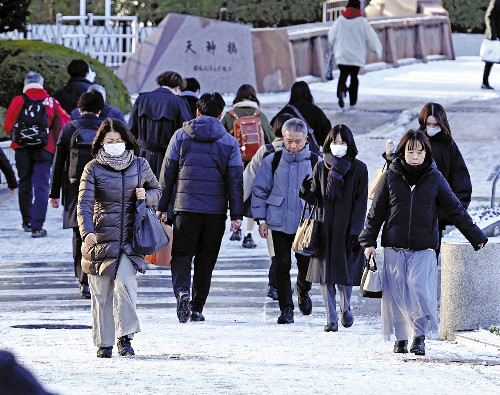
pixel 33 162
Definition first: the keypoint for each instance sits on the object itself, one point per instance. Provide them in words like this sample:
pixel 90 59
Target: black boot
pixel 347 318
pixel 105 352
pixel 305 304
pixel 124 347
pixel 236 236
pixel 286 316
pixel 248 241
pixel 272 292
pixel 183 309
pixel 401 347
pixel 331 327
pixel 418 345
pixel 196 316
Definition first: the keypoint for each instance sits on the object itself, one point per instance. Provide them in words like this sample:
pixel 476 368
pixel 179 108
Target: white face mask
pixel 338 150
pixel 115 149
pixel 91 75
pixel 432 131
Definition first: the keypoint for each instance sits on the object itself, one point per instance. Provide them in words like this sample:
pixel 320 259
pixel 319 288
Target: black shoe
pixel 105 352
pixel 196 316
pixel 418 345
pixel 272 292
pixel 236 236
pixel 183 311
pixel 286 316
pixel 27 227
pixel 84 291
pixel 347 319
pixel 305 304
pixel 124 347
pixel 248 241
pixel 331 327
pixel 487 86
pixel 401 347
pixel 38 233
pixel 341 100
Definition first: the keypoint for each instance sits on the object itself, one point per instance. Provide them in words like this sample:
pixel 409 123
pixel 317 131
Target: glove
pixel 354 243
pixel 307 183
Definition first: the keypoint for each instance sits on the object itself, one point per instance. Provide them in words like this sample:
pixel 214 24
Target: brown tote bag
pixel 164 256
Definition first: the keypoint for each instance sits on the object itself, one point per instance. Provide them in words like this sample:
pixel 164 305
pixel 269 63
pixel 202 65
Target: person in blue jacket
pixel 205 163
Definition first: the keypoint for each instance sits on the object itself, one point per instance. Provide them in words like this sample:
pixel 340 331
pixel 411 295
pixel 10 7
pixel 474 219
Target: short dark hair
pixel 211 104
pixel 170 79
pixel 438 112
pixel 114 125
pixel 411 137
pixel 78 68
pixel 279 122
pixel 91 102
pixel 246 92
pixel 346 136
pixel 192 85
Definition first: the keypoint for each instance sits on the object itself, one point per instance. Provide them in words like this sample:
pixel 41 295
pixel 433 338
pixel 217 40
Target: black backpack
pixel 80 150
pixel 31 129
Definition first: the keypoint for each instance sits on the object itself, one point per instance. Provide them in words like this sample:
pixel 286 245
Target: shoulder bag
pixel 306 241
pixel 149 234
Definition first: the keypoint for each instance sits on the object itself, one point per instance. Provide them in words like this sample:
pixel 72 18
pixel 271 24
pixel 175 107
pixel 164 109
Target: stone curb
pixel 471 338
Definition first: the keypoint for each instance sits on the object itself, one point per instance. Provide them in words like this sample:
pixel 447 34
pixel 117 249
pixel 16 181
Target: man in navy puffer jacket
pixel 205 162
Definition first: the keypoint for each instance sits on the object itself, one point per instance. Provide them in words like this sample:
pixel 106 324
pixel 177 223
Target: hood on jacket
pixel 303 154
pixel 204 128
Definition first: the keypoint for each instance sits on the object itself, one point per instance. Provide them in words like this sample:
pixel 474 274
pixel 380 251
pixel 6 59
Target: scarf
pixel 351 13
pixel 413 173
pixel 337 169
pixel 116 162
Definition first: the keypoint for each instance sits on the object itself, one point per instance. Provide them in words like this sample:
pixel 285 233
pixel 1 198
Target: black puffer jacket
pixel 410 215
pixel 106 206
pixel 68 95
pixel 205 160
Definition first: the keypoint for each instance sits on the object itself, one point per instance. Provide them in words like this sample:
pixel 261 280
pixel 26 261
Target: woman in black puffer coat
pixel 106 204
pixel 406 202
pixel 449 161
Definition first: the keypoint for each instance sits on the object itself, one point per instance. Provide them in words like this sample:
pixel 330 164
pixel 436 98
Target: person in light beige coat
pixel 352 37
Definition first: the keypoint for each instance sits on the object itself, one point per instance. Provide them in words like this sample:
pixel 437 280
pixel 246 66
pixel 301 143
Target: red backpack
pixel 248 131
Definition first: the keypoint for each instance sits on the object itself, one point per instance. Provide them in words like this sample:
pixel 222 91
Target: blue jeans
pixel 33 169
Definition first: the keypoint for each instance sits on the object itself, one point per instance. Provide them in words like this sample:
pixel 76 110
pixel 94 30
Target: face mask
pixel 432 131
pixel 91 75
pixel 338 150
pixel 114 149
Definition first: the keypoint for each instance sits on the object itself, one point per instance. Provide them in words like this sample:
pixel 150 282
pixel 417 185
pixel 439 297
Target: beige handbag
pixel 378 176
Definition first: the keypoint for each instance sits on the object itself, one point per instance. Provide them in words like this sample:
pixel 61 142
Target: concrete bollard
pixel 470 287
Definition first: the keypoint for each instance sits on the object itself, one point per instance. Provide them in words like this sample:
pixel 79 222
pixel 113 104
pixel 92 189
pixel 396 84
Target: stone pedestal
pixel 470 287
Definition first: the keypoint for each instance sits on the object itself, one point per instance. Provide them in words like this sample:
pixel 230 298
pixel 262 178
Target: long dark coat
pixel 343 217
pixel 59 177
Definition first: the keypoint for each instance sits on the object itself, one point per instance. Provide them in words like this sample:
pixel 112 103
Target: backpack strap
pixel 256 112
pixel 233 113
pixel 276 161
pixel 314 159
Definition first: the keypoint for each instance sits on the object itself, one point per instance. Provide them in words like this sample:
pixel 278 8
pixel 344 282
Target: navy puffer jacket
pixel 106 207
pixel 410 215
pixel 68 95
pixel 205 161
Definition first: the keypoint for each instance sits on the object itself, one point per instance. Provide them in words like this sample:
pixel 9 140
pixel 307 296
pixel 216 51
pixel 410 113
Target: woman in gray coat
pixel 106 204
pixel 339 187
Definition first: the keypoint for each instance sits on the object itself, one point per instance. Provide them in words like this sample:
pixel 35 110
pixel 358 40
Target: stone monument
pixel 218 54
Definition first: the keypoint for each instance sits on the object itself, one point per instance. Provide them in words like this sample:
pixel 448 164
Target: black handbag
pixel 149 234
pixel 306 241
pixel 371 282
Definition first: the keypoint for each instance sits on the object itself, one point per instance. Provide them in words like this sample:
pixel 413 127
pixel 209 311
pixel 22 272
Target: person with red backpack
pixel 251 128
pixel 34 120
pixel 73 152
